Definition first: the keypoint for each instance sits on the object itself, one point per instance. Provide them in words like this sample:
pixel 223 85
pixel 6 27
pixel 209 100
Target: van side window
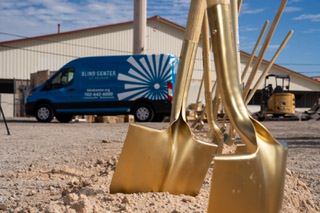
pixel 63 79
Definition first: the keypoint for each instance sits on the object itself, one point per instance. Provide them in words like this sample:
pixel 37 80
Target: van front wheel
pixel 143 113
pixel 44 113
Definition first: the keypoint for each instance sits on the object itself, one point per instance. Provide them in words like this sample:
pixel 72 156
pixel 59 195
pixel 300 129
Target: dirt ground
pixel 68 168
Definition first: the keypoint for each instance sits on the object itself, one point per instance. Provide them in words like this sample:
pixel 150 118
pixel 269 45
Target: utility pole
pixel 139 26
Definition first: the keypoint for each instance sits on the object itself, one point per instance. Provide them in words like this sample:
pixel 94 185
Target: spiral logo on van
pixel 146 78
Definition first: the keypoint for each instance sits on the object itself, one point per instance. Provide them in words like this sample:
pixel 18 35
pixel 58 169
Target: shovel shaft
pixel 187 56
pixel 264 49
pixel 196 118
pixel 235 26
pixel 265 72
pixel 216 101
pixel 227 73
pixel 243 75
pixel 207 82
pixel 264 28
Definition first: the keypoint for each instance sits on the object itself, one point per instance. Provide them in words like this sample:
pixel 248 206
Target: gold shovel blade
pixel 162 161
pixel 169 160
pixel 253 183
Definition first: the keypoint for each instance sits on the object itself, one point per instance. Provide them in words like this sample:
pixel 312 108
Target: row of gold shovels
pixel 171 160
pixel 198 122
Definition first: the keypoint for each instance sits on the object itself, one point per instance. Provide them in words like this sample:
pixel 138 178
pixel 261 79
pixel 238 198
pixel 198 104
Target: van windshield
pixel 63 79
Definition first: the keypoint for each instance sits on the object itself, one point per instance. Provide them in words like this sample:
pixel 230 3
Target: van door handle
pixel 70 90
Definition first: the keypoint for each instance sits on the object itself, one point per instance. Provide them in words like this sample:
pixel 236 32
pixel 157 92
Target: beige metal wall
pixel 22 58
pixel 19 59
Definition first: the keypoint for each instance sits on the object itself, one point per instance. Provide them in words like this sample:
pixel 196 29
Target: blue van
pixel 141 85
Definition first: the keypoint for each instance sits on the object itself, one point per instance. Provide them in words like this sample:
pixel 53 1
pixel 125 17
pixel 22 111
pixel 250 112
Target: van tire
pixel 143 113
pixel 44 113
pixel 64 118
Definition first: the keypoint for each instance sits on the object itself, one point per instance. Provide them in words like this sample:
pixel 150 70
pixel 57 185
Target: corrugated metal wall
pixel 19 59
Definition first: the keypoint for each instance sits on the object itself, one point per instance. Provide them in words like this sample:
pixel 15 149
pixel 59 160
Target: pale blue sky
pixel 40 17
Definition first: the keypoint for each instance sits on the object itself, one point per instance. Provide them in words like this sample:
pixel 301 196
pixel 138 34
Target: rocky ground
pixel 68 168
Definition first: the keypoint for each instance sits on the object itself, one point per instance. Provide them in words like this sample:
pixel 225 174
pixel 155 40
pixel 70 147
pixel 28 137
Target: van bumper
pixel 29 108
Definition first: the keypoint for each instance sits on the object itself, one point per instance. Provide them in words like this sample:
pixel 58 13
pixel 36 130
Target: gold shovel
pixel 249 182
pixel 169 160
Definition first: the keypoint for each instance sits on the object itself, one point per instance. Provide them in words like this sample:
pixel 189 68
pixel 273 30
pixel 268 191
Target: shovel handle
pixel 264 28
pixel 235 26
pixel 197 104
pixel 227 73
pixel 264 48
pixel 187 57
pixel 207 81
pixel 265 72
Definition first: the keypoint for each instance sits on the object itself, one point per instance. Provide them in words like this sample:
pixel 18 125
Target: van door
pixel 97 86
pixel 60 89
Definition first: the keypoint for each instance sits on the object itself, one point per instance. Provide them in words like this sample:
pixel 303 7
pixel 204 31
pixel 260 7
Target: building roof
pixel 317 78
pixel 291 72
pixel 157 18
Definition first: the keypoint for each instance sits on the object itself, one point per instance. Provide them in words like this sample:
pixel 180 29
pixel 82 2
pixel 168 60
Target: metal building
pixel 20 58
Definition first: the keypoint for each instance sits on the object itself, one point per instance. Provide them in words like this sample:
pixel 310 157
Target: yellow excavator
pixel 278 103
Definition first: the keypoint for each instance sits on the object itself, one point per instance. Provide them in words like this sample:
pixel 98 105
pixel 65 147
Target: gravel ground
pixel 57 167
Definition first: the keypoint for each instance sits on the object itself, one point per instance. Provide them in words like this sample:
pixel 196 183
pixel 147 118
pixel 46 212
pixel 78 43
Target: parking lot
pixel 68 167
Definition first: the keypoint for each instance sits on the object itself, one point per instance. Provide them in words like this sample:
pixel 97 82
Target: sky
pixel 28 18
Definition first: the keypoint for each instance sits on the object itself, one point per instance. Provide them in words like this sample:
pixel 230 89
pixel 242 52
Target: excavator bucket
pixel 168 160
pixel 252 181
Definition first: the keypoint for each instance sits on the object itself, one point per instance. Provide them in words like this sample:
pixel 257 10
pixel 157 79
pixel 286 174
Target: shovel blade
pixel 250 183
pixel 169 160
pixel 142 162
